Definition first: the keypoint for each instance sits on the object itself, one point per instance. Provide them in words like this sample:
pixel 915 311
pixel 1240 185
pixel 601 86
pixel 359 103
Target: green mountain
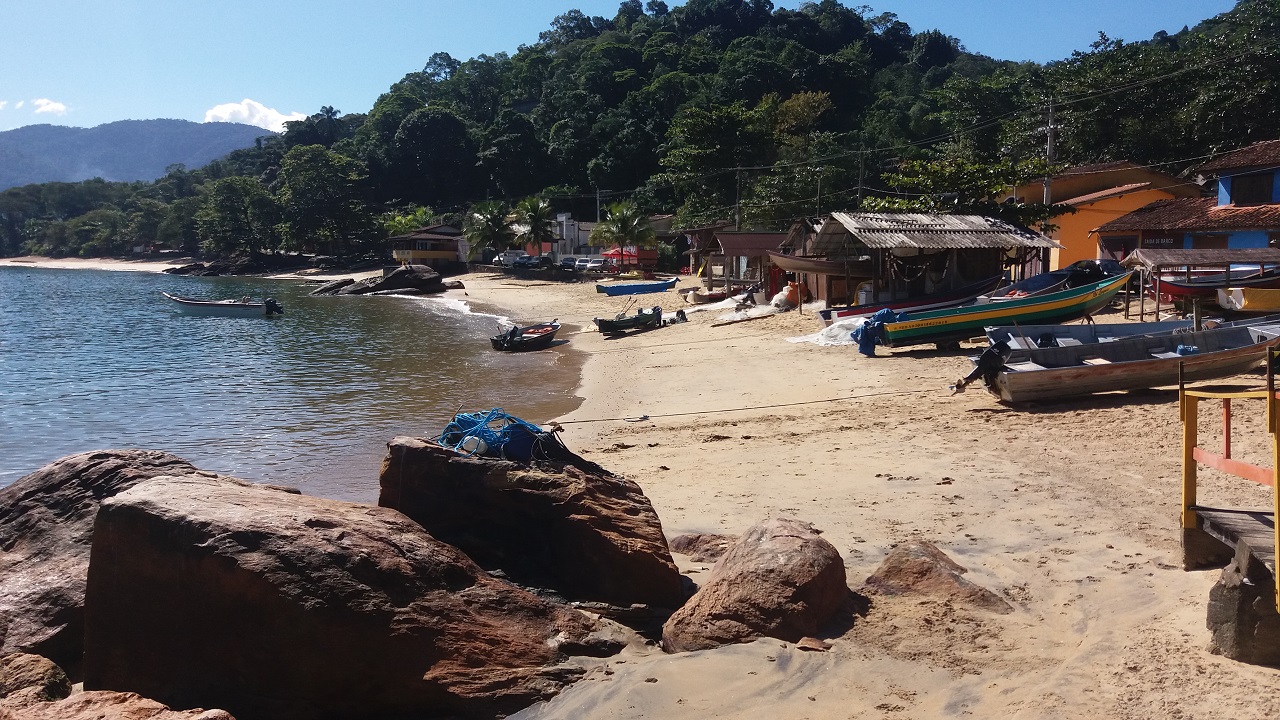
pixel 128 150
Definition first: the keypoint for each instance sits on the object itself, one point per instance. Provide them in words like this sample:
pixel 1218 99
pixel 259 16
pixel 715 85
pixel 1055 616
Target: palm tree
pixel 624 224
pixel 535 216
pixel 487 226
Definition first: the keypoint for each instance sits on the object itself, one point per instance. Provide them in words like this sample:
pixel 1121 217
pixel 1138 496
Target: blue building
pixel 1243 213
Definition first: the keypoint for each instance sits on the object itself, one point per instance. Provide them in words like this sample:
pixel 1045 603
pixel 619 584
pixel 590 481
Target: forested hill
pixel 123 151
pixel 712 110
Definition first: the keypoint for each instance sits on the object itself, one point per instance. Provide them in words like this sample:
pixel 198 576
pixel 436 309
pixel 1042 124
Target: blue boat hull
pixel 635 288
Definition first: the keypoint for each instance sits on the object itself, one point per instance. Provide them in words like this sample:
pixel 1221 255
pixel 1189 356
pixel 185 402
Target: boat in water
pixel 934 301
pixel 1137 362
pixel 642 320
pixel 959 323
pixel 243 307
pixel 532 337
pixel 636 288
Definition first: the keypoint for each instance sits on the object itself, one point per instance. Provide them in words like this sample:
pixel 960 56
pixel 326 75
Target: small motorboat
pixel 642 320
pixel 243 307
pixel 533 337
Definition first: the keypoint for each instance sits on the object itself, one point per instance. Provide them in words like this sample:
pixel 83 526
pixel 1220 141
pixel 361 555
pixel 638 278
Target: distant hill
pixel 125 150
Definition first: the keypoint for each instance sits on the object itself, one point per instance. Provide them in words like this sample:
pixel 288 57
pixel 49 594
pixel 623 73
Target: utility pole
pixel 737 202
pixel 1048 180
pixel 862 170
pixel 597 204
pixel 817 207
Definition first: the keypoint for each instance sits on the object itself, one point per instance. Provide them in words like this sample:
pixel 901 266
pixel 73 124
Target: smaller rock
pixel 31 678
pixel 919 567
pixel 331 288
pixel 813 644
pixel 702 547
pixel 106 705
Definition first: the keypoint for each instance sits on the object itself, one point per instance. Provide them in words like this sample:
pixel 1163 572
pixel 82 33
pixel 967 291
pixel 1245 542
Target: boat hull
pixel 636 288
pixel 533 337
pixel 1179 291
pixel 971 320
pixel 1249 300
pixel 820 266
pixel 219 308
pixel 639 321
pixel 936 301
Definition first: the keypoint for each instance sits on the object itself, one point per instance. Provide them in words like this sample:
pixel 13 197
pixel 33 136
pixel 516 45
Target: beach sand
pixel 1067 510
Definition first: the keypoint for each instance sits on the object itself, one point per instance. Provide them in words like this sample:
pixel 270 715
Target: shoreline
pixel 1068 510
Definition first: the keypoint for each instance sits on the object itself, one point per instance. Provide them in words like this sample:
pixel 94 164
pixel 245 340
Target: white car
pixel 582 263
pixel 507 257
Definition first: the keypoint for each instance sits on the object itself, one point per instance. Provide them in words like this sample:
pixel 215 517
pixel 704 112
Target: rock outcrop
pixel 780 580
pixel 46 526
pixel 702 547
pixel 918 567
pixel 27 679
pixel 211 593
pixel 585 535
pixel 1242 611
pixel 415 278
pixel 102 705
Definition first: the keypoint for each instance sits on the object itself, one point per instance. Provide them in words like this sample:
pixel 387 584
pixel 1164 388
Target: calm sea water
pixel 98 359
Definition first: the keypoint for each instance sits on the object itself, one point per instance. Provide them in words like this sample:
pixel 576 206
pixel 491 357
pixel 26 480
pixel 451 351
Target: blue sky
pixel 88 62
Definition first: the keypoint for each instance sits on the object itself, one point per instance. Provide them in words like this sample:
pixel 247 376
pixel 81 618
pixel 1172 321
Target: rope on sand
pixel 739 409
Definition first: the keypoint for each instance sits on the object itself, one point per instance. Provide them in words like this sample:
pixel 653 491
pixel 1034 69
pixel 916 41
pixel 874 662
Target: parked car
pixel 527 261
pixel 602 265
pixel 507 258
pixel 568 262
pixel 582 263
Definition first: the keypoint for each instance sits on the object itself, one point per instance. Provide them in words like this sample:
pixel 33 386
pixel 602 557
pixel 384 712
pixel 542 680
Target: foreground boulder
pixel 27 679
pixel 1242 611
pixel 780 580
pixel 587 535
pixel 205 592
pixel 46 526
pixel 918 567
pixel 101 705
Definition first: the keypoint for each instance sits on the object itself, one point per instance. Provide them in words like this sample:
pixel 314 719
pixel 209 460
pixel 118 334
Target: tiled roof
pixel 1257 155
pixel 1190 214
pixel 1108 193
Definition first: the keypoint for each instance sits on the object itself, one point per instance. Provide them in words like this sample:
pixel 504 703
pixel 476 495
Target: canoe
pixel 643 319
pixel 532 337
pixel 243 307
pixel 636 288
pixel 970 320
pixel 1208 285
pixel 1249 300
pixel 858 268
pixel 934 301
pixel 1143 361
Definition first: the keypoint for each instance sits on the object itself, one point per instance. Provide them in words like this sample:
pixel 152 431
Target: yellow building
pixel 1099 194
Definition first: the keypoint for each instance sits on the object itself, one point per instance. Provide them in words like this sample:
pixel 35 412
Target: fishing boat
pixel 532 337
pixel 636 288
pixel 642 320
pixel 699 296
pixel 1143 361
pixel 1029 337
pixel 938 326
pixel 243 307
pixel 1207 286
pixel 1249 300
pixel 853 267
pixel 934 301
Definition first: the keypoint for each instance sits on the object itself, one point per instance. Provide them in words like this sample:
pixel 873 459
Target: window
pixel 1251 189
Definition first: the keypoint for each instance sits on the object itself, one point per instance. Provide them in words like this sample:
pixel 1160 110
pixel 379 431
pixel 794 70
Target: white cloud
pixel 3 103
pixel 251 112
pixel 45 105
pixel 20 104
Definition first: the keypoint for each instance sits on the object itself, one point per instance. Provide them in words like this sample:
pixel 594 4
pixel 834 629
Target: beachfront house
pixel 440 246
pixel 876 257
pixel 1244 212
pixel 745 259
pixel 1099 193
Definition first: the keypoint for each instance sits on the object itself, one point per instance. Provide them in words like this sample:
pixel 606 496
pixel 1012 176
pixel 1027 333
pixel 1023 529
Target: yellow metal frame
pixel 1193 455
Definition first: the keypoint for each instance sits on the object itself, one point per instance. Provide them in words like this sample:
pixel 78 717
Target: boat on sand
pixel 531 337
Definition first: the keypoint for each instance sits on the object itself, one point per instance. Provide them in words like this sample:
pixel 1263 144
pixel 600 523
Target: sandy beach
pixel 1069 511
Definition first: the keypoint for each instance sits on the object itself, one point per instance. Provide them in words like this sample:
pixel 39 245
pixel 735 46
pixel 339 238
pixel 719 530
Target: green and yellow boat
pixel 940 326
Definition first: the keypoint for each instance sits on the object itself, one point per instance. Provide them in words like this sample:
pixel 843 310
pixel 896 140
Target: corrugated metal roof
pixel 1150 258
pixel 745 244
pixel 886 231
pixel 1263 154
pixel 1189 214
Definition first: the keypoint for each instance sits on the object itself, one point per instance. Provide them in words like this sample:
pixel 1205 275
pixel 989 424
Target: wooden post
pixel 1190 431
pixel 1226 427
pixel 1275 462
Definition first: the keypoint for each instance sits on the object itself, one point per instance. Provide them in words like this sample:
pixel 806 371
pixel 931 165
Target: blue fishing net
pixel 493 433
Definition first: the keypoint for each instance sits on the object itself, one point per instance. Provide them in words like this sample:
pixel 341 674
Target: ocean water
pixel 100 359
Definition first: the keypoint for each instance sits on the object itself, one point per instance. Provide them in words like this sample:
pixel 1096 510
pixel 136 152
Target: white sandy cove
pixel 1069 511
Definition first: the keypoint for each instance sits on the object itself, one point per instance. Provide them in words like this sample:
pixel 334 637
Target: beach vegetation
pixel 487 228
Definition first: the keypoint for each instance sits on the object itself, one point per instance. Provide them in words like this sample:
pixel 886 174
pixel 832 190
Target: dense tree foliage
pixel 713 109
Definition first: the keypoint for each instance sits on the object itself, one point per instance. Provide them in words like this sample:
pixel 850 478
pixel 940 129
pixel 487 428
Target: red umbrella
pixel 628 253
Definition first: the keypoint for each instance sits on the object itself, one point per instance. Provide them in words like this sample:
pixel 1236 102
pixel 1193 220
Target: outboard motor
pixel 989 364
pixel 271 307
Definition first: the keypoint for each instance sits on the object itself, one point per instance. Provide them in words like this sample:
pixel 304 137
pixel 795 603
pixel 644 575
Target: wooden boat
pixel 244 307
pixel 858 268
pixel 935 301
pixel 1178 291
pixel 642 320
pixel 1133 363
pixel 699 296
pixel 1249 300
pixel 636 288
pixel 1029 337
pixel 532 337
pixel 970 320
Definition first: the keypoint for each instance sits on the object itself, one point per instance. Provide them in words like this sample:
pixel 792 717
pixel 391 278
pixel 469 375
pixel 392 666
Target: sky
pixel 88 62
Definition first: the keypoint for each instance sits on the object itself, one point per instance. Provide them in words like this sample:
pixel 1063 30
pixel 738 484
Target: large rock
pixel 586 535
pixel 918 567
pixel 46 526
pixel 1242 611
pixel 212 593
pixel 780 580
pixel 103 705
pixel 409 277
pixel 27 678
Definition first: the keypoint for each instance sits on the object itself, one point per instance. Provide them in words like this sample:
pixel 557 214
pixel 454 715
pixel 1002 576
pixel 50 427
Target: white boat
pixel 244 307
